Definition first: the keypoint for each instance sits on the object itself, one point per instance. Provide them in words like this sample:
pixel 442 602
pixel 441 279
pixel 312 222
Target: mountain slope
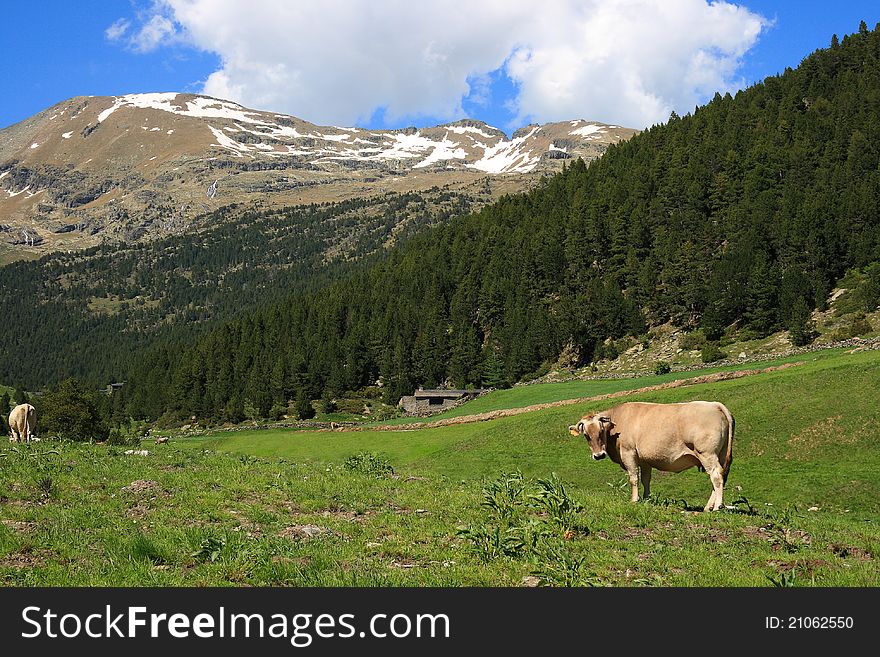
pixel 96 168
pixel 739 218
pixel 89 310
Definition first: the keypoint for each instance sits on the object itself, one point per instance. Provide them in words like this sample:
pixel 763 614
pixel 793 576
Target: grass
pixel 474 504
pixel 527 395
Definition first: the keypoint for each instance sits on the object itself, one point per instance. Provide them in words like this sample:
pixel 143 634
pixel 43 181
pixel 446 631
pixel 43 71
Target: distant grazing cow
pixel 670 437
pixel 22 423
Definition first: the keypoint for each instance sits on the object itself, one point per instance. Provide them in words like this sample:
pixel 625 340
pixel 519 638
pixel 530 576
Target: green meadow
pixel 527 395
pixel 507 502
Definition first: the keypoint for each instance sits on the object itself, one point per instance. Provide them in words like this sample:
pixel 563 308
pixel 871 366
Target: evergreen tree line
pixel 740 216
pixel 84 314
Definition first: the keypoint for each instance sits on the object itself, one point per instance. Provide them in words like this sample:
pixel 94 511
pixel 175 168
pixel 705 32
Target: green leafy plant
pixel 209 549
pixel 46 486
pixel 783 580
pixel 143 548
pixel 369 463
pixel 504 495
pixel 491 542
pixel 554 565
pixel 552 499
pixel 742 505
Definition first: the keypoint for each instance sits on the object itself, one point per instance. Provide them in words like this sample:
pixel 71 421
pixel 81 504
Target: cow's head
pixel 596 429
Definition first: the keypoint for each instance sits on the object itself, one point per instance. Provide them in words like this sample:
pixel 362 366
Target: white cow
pixel 22 423
pixel 639 436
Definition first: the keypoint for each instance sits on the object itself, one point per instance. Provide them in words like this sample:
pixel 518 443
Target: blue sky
pixel 58 49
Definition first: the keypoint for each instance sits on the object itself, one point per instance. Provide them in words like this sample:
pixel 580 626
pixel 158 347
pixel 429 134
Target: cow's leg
pixel 646 481
pixel 629 462
pixel 713 468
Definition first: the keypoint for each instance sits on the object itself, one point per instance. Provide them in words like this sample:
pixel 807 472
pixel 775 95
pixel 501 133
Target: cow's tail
pixel 30 422
pixel 728 459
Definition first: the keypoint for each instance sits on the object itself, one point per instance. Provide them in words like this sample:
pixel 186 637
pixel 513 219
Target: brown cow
pixel 670 437
pixel 22 423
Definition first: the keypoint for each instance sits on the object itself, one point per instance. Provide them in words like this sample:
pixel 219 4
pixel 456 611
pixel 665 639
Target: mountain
pixel 735 220
pixel 92 169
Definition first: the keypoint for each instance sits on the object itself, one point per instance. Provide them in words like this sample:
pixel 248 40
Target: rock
pixel 530 581
pixel 742 354
pixel 137 452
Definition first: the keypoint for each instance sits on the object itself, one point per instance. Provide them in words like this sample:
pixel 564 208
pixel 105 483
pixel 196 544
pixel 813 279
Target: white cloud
pixel 158 31
pixel 629 62
pixel 117 30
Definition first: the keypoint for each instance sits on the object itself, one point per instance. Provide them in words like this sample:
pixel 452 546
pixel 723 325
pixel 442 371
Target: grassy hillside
pixel 823 413
pixel 528 395
pixel 276 507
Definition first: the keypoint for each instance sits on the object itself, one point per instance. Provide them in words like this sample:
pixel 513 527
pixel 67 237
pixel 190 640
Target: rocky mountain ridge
pixel 91 169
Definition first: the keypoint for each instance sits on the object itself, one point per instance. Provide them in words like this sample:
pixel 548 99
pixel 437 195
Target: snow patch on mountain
pixel 507 157
pixel 589 129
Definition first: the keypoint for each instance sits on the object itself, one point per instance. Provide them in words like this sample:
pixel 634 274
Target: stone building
pixel 428 402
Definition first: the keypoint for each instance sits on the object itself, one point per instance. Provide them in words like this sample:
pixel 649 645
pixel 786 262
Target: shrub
pixel 491 542
pixel 278 411
pixel 662 367
pixel 801 329
pixel 711 353
pixel 692 340
pixel 328 404
pixel 556 566
pixel 71 413
pixel 858 326
pixel 128 434
pixel 304 408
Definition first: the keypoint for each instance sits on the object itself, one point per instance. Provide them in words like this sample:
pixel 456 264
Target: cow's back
pixel 700 425
pixel 22 420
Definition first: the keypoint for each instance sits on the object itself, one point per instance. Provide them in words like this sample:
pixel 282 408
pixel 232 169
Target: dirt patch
pixel 350 516
pixel 851 551
pixel 26 559
pixel 143 487
pixel 779 537
pixel 137 512
pixel 755 532
pixel 306 532
pixel 250 528
pixel 644 532
pixel 805 566
pixel 23 504
pixel 637 532
pixel 22 526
